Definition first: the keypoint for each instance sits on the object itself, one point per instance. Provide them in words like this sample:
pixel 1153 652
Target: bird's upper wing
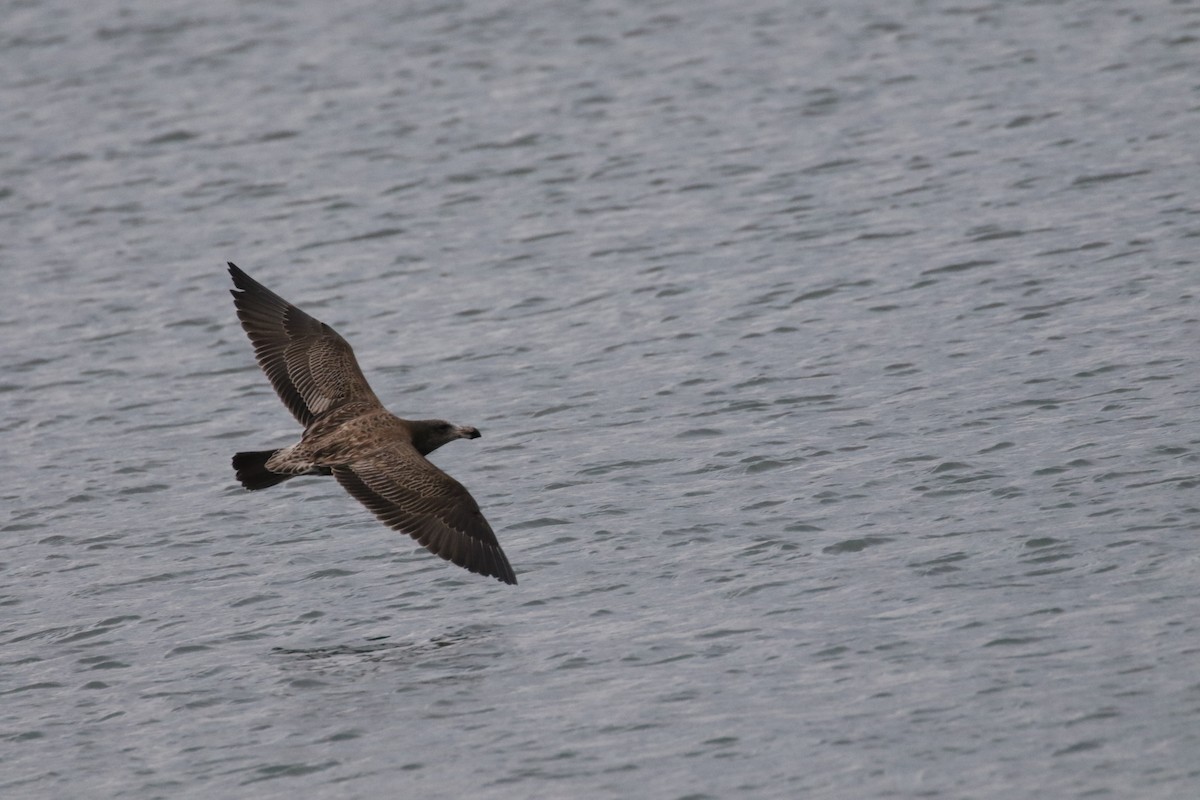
pixel 311 367
pixel 411 495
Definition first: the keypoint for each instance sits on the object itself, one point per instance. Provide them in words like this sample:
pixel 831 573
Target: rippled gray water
pixel 836 367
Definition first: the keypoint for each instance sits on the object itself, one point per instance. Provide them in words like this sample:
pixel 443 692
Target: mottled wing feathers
pixel 348 432
pixel 311 367
pixel 409 494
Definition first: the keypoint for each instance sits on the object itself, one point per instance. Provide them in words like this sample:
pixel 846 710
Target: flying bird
pixel 379 458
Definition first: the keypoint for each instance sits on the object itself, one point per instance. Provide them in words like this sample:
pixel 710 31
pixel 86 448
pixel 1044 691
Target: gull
pixel 379 458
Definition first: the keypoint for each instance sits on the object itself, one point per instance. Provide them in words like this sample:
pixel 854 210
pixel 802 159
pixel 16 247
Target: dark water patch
pixel 32 687
pixel 556 409
pixel 1087 181
pixel 856 545
pixel 290 770
pixel 332 572
pixel 622 466
pixel 757 464
pixel 187 649
pixel 940 565
pixel 961 266
pixel 540 522
pixel 172 137
pixel 699 433
pixel 1014 641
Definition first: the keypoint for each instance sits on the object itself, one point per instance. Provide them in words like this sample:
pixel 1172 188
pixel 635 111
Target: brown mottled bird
pixel 376 456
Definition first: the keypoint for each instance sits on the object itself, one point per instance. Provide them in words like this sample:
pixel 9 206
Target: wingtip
pixel 244 283
pixel 492 565
pixel 496 565
pixel 503 571
pixel 237 274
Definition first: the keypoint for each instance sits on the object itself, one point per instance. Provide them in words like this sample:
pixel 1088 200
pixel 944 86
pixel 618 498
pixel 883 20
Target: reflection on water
pixel 379 648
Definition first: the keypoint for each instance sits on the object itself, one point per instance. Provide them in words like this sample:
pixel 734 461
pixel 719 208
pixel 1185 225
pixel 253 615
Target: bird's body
pixel 376 456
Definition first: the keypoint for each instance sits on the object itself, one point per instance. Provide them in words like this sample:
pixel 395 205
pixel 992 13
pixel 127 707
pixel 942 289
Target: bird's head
pixel 430 434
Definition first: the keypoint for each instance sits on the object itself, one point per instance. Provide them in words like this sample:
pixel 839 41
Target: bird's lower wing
pixel 409 494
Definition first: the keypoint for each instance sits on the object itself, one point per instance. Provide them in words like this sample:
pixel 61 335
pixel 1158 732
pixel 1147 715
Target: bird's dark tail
pixel 252 470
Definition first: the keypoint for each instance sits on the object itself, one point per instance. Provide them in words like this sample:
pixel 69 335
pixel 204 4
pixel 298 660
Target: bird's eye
pixel 443 428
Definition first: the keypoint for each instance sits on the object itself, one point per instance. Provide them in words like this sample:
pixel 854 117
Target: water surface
pixel 835 366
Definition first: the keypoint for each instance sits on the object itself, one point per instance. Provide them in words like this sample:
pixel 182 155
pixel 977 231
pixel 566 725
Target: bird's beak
pixel 467 432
